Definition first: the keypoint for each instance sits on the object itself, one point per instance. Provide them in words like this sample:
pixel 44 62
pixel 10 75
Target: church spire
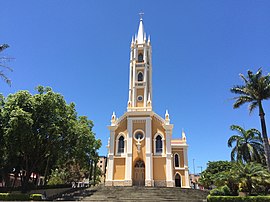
pixel 140 72
pixel 141 33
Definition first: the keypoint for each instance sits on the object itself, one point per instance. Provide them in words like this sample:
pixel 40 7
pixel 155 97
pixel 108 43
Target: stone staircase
pixel 156 194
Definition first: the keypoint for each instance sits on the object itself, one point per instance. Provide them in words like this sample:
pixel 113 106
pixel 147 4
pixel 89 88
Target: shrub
pixel 238 198
pixel 221 191
pixel 3 196
pixel 14 197
pixel 36 197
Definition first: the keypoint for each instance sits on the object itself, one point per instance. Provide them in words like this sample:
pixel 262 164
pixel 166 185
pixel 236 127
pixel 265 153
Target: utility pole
pixel 194 166
pixel 200 168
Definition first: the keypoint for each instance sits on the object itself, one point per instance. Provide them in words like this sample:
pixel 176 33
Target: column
pixel 128 170
pixel 148 152
pixel 169 178
pixel 109 177
pixel 187 185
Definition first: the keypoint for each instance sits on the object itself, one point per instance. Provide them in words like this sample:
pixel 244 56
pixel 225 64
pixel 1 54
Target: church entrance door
pixel 177 180
pixel 139 171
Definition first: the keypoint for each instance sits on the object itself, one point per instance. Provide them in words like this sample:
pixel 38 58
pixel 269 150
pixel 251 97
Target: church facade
pixel 141 151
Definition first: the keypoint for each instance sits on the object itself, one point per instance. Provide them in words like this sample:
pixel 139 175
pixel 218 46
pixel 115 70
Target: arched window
pixel 158 144
pixel 140 57
pixel 121 145
pixel 140 76
pixel 176 160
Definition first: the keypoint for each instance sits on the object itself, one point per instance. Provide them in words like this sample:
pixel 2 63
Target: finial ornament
pixel 113 119
pixel 183 135
pixel 167 117
pixel 141 15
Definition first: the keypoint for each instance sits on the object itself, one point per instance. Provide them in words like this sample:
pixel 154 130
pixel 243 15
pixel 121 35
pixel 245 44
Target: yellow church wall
pixel 119 169
pixel 122 128
pixel 157 127
pixel 138 156
pixel 159 168
pixel 141 155
pixel 138 125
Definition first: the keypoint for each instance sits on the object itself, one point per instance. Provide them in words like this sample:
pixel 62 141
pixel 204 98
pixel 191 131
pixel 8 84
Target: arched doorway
pixel 139 171
pixel 177 180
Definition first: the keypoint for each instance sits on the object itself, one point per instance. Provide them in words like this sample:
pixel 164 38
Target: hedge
pixel 9 189
pixel 20 197
pixel 238 198
pixel 36 197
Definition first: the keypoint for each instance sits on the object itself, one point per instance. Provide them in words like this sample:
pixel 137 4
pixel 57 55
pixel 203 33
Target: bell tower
pixel 140 72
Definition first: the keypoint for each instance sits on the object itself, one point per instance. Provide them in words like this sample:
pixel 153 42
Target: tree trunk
pixel 265 138
pixel 46 171
pixel 95 172
pixel 91 171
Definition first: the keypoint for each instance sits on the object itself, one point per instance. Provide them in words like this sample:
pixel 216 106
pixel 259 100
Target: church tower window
pixel 140 57
pixel 121 145
pixel 176 160
pixel 140 76
pixel 159 144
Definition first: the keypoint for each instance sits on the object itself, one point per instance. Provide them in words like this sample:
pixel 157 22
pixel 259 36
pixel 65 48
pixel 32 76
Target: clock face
pixel 140 98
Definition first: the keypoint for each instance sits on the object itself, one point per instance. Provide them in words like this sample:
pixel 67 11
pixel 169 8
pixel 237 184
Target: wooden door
pixel 139 173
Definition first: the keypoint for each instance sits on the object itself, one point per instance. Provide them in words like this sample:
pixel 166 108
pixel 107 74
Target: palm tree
pixel 2 60
pixel 256 88
pixel 248 145
pixel 250 175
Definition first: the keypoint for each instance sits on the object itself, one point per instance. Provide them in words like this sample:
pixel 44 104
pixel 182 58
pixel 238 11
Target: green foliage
pixel 14 197
pixel 238 198
pixel 36 197
pixel 248 145
pixel 20 197
pixel 252 178
pixel 221 191
pixel 41 132
pixel 57 177
pixel 256 88
pixel 213 170
pixel 252 175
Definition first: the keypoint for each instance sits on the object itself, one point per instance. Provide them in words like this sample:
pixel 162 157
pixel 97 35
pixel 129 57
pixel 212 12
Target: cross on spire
pixel 141 15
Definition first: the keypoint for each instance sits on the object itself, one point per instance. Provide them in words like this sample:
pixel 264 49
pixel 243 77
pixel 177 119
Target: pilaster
pixel 186 169
pixel 128 171
pixel 110 171
pixel 148 151
pixel 169 178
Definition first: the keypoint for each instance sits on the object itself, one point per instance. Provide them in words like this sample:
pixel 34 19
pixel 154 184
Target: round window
pixel 139 135
pixel 140 98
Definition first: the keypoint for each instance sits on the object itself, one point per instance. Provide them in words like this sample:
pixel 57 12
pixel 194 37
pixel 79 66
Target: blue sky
pixel 81 49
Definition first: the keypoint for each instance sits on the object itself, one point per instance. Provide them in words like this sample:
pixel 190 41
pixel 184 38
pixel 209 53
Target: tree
pixel 2 64
pixel 41 133
pixel 214 168
pixel 250 175
pixel 256 88
pixel 248 145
